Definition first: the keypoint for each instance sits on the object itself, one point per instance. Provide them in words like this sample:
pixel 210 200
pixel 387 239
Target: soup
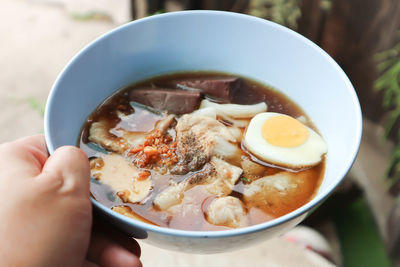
pixel 202 151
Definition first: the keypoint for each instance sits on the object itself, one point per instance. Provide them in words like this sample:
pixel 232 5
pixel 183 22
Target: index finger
pixel 25 156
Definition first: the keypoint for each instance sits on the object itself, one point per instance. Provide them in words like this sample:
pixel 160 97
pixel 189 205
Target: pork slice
pixel 99 133
pixel 123 178
pixel 227 211
pixel 112 139
pixel 224 88
pixel 197 136
pixel 171 100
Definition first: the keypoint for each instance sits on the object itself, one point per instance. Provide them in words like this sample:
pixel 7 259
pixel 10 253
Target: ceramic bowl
pixel 211 41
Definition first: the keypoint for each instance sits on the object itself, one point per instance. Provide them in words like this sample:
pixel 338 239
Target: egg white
pixel 309 153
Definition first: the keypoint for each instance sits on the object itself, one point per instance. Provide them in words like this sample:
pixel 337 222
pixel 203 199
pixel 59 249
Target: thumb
pixel 68 167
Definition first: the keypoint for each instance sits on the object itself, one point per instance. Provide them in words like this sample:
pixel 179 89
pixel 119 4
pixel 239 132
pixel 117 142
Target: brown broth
pixel 191 214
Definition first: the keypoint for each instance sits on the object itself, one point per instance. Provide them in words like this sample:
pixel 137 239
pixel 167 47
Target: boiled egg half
pixel 284 141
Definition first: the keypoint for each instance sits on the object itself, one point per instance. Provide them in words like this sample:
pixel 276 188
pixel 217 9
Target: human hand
pixel 46 214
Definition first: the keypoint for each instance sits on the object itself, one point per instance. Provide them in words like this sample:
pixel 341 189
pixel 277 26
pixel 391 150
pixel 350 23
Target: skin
pixel 46 214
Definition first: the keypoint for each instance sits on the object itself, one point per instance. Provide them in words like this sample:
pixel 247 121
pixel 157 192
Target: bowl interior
pixel 220 41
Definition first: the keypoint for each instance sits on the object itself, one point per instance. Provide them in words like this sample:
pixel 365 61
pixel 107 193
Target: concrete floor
pixel 38 38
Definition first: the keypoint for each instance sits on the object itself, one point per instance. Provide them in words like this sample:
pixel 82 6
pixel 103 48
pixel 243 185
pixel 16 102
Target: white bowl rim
pixel 318 199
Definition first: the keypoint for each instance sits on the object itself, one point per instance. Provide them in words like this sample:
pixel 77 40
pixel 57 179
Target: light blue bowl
pixel 220 41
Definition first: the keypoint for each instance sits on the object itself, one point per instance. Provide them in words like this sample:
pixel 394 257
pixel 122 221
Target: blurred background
pixel 359 225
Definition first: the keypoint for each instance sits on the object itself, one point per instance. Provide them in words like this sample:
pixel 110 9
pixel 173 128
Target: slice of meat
pixel 280 191
pixel 118 139
pixel 218 176
pixel 227 211
pixel 112 139
pixel 171 100
pixel 123 178
pixel 99 134
pixel 196 138
pixel 224 88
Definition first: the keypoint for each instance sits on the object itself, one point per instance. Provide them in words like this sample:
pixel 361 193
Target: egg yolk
pixel 284 131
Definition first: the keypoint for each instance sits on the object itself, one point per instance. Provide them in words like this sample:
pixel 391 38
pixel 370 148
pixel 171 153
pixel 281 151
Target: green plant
pixel 90 15
pixel 359 236
pixel 285 12
pixel 36 105
pixel 389 84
